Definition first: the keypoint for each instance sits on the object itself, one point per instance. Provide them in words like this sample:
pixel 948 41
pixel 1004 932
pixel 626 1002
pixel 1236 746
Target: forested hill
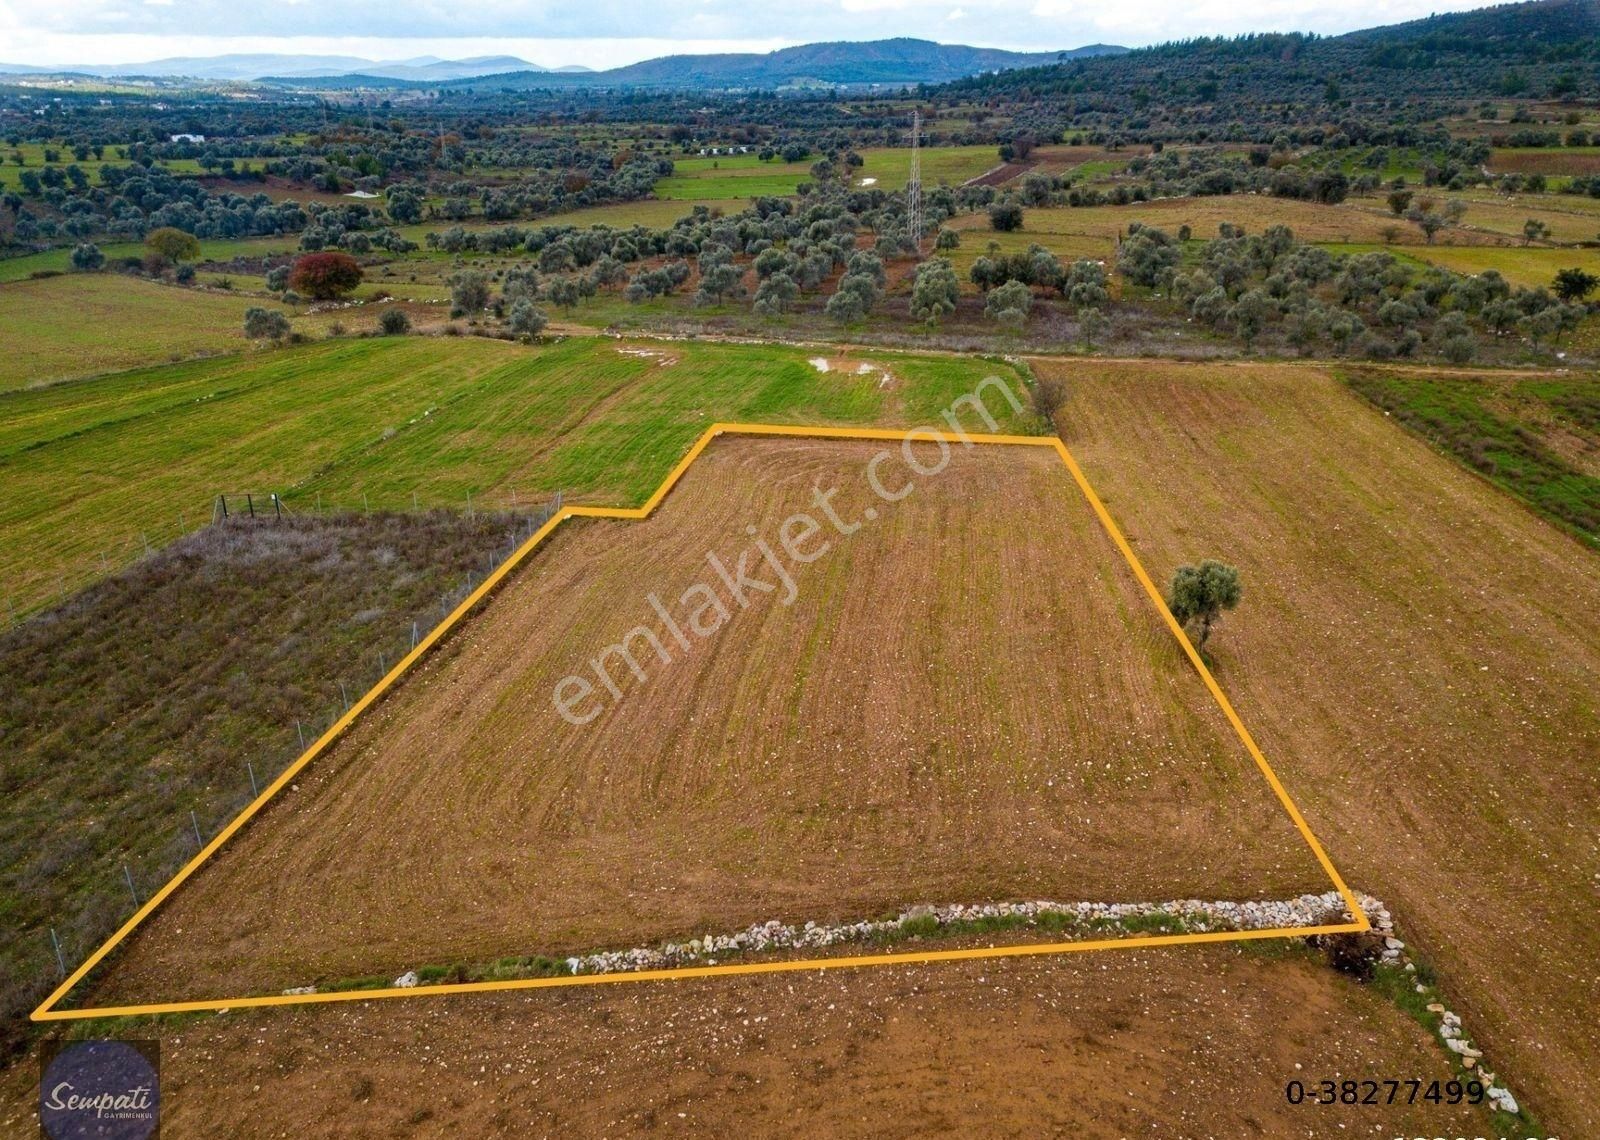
pixel 1547 48
pixel 896 62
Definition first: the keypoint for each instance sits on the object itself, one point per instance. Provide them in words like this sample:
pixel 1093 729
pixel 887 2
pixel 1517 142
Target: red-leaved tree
pixel 325 276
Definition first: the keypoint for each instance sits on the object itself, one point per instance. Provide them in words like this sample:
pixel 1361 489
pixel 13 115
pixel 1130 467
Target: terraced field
pixel 967 697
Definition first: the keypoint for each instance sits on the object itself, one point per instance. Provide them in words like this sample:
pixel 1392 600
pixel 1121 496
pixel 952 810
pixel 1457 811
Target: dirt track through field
pixel 970 698
pixel 1419 655
pixel 1191 1041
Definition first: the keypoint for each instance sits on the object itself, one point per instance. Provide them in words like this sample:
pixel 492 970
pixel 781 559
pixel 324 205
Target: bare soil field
pixel 1356 220
pixel 1418 652
pixel 1185 1041
pixel 969 699
pixel 1563 161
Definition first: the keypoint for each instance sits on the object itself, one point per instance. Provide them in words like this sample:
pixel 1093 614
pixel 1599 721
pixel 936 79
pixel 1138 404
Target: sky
pixel 610 33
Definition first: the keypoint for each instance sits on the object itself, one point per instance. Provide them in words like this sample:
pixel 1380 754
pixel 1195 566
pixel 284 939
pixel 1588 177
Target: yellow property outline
pixel 1361 924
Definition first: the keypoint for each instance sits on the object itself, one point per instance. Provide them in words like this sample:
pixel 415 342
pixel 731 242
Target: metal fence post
pixel 127 874
pixel 60 958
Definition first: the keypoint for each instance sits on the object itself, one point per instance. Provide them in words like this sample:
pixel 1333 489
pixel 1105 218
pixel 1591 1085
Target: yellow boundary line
pixel 48 1012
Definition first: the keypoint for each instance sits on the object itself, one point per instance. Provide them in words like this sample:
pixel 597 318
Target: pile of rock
pixel 1188 914
pixel 1450 1032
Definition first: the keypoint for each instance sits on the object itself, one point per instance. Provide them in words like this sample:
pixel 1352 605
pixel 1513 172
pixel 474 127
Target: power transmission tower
pixel 914 183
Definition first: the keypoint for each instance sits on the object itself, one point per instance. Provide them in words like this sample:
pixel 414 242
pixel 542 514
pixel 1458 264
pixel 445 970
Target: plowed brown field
pixel 969 699
pixel 1189 1041
pixel 1418 654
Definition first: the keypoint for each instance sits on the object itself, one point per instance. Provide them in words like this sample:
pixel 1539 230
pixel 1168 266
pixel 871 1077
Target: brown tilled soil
pixel 1553 162
pixel 1420 657
pixel 970 699
pixel 1187 1042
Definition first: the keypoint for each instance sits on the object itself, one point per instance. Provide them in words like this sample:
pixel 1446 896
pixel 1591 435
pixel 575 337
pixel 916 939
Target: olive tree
pixel 935 291
pixel 469 293
pixel 1199 594
pixel 526 320
pixel 1009 303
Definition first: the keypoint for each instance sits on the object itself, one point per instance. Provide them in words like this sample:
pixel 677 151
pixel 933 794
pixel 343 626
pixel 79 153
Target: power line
pixel 914 183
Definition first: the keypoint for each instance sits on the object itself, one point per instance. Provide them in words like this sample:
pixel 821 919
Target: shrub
pixel 87 258
pixel 265 324
pixel 394 322
pixel 1049 393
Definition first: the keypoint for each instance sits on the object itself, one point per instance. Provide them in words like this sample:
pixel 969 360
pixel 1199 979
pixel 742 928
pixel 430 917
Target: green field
pixel 90 467
pixel 1531 266
pixel 86 323
pixel 657 213
pixel 59 260
pixel 1538 437
pixel 746 176
pixel 33 158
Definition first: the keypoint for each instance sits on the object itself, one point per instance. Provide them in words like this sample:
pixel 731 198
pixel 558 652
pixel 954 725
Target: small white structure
pixel 188 138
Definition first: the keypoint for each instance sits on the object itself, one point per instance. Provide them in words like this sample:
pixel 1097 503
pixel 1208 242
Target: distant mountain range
pixel 887 62
pixel 891 62
pixel 245 68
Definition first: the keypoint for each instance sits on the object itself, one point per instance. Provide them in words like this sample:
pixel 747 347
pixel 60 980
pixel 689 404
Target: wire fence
pixel 195 826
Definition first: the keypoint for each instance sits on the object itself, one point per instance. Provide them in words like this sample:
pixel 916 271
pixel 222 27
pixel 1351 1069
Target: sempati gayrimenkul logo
pixel 100 1090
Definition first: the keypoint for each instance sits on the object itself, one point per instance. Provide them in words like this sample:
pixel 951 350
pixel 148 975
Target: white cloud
pixel 605 33
pixel 54 48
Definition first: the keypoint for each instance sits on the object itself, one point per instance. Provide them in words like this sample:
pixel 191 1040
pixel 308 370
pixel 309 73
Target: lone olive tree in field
pixel 1199 594
pixel 1049 393
pixel 172 245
